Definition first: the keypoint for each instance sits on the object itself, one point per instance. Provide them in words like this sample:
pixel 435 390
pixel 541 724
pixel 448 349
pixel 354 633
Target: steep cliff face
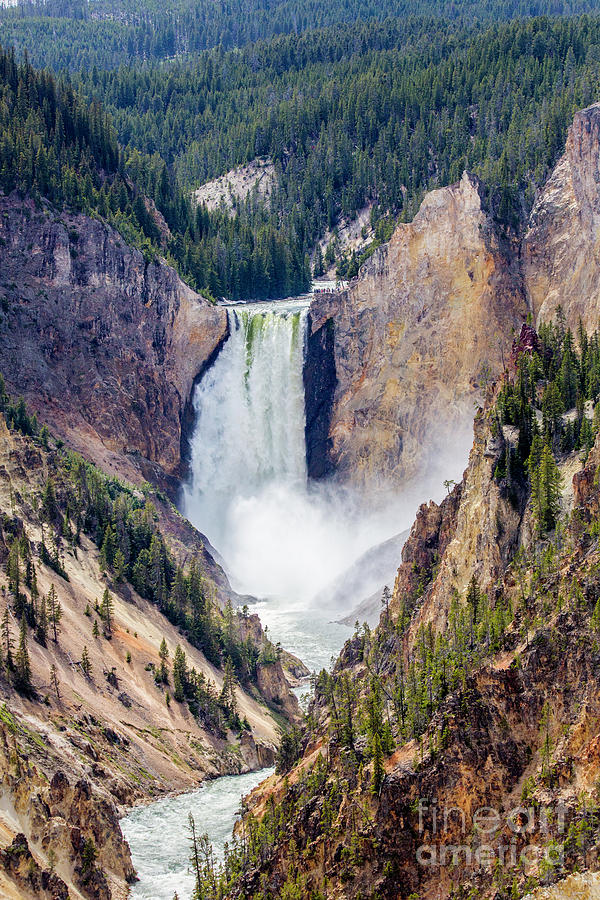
pixel 479 530
pixel 103 345
pixel 561 249
pixel 52 819
pixel 415 335
pixel 319 391
pixel 498 793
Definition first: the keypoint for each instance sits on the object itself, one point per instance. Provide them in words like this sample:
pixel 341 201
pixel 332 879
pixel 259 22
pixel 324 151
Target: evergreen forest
pixel 352 116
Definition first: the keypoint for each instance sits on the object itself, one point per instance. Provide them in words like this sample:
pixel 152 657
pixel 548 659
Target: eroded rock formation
pixel 416 336
pixel 561 249
pixel 104 345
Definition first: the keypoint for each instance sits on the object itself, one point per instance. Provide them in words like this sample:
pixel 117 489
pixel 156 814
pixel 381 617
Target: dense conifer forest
pixel 58 146
pixel 351 116
pixel 77 35
pixel 366 114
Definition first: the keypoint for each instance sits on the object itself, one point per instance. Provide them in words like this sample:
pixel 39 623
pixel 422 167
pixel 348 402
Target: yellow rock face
pixel 561 261
pixel 431 313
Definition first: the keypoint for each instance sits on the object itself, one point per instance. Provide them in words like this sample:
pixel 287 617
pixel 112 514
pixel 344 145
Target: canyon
pixel 107 348
pixel 519 727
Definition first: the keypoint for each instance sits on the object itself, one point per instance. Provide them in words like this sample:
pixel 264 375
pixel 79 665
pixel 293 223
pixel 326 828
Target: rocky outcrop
pixel 274 687
pixel 561 249
pixel 25 872
pixel 68 825
pixel 104 345
pixel 250 629
pixel 415 338
pixel 585 482
pixel 478 533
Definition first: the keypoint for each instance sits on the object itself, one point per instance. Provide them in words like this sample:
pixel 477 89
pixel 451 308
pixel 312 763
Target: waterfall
pixel 249 416
pixel 278 535
pixel 250 407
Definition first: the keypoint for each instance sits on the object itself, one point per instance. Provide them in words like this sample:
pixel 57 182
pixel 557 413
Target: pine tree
pixel 86 666
pixel 473 600
pixel 108 549
pixel 378 767
pixel 54 611
pixel 318 266
pixel 95 629
pixel 568 373
pixel 7 642
pixel 41 631
pixel 552 409
pixel 547 493
pixel 106 612
pixel 227 696
pixel 385 600
pixel 54 680
pixel 34 591
pixel 88 859
pixel 546 751
pixel 348 700
pixel 119 566
pixel 179 674
pixel 22 663
pixel 179 590
pixel 596 617
pixel 374 714
pixel 163 653
pixel 49 504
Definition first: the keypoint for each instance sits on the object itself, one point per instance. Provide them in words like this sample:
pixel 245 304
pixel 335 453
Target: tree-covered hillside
pixel 366 114
pixel 76 35
pixel 56 145
pixel 351 115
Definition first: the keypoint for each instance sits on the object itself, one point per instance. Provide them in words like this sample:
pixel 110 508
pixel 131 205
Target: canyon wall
pixel 561 248
pixel 104 345
pixel 417 336
pixel 428 320
pixel 517 727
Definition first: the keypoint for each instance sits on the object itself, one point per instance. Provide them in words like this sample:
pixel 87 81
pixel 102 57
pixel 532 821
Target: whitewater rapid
pixel 159 840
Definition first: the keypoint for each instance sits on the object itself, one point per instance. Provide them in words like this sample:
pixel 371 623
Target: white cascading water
pixel 250 416
pixel 279 537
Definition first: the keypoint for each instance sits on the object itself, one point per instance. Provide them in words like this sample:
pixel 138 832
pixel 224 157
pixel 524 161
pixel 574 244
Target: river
pixel 158 833
pixel 281 539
